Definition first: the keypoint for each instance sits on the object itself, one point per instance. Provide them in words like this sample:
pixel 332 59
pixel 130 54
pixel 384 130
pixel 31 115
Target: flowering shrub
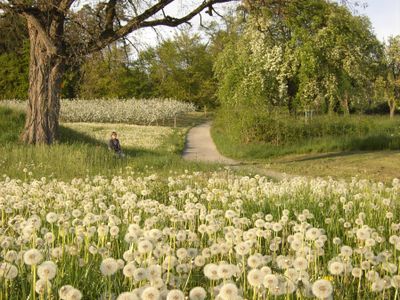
pixel 201 236
pixel 133 111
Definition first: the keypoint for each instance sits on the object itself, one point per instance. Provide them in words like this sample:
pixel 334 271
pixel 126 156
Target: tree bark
pixel 345 104
pixel 45 75
pixel 392 107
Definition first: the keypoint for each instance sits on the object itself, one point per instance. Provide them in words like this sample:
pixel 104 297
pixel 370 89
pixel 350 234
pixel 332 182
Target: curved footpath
pixel 200 147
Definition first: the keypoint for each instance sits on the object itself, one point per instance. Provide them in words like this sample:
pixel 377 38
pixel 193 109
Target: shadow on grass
pixel 329 155
pixel 340 154
pixel 348 146
pixel 70 136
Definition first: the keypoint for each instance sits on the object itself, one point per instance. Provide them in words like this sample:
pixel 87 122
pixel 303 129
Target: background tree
pixel 392 78
pixel 14 57
pixel 182 68
pixel 300 54
pixel 99 73
pixel 53 42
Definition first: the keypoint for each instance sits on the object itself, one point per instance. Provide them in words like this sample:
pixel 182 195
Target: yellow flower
pixel 328 277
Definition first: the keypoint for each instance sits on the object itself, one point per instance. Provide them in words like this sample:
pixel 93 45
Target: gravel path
pixel 200 147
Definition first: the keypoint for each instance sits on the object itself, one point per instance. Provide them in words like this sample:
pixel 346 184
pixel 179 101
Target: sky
pixel 385 17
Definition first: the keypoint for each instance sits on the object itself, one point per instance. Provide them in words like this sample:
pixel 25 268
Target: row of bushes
pixel 252 126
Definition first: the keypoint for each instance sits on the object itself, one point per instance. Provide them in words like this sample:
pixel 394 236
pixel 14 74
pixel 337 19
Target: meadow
pixel 79 223
pixel 198 235
pixel 367 146
pixel 82 148
pixel 248 134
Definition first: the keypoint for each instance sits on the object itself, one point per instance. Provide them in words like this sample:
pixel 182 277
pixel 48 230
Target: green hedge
pixel 250 126
pixel 256 134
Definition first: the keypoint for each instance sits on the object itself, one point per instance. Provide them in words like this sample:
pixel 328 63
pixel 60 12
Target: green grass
pixel 373 155
pixel 261 151
pixel 11 122
pixel 375 165
pixel 294 136
pixel 80 153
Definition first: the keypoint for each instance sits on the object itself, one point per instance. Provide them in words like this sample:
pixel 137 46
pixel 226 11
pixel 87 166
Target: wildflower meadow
pixel 199 150
pixel 198 235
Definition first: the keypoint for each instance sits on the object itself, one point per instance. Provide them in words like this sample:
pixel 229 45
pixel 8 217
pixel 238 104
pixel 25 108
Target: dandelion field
pixel 147 229
pixel 198 235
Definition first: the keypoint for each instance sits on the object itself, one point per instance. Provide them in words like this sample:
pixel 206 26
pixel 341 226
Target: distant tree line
pixel 180 68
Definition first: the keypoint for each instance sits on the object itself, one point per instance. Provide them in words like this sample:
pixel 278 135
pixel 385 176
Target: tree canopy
pixel 302 54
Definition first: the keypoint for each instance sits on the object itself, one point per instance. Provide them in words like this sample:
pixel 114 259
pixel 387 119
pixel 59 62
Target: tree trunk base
pixel 45 75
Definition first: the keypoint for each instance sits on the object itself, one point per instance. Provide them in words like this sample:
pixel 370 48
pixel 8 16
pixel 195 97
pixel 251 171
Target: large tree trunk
pixel 45 74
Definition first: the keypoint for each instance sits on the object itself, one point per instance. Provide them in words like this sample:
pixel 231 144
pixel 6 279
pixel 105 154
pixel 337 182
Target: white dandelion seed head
pixel 175 295
pixel 150 293
pixel 270 281
pixel 300 263
pixel 63 291
pixel 74 294
pixel 211 271
pixel 108 266
pixel 395 281
pixel 32 257
pixel 255 277
pixel 197 293
pixel 336 268
pixel 47 270
pixel 8 271
pixel 322 289
pixel 356 272
pixel 42 286
pixel 228 291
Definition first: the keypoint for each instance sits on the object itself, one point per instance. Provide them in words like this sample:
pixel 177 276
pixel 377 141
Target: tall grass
pixel 78 155
pixel 11 123
pixel 251 134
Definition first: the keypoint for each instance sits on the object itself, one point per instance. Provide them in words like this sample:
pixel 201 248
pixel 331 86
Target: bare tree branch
pixel 110 15
pixel 66 4
pixel 51 24
pixel 141 21
pixel 173 22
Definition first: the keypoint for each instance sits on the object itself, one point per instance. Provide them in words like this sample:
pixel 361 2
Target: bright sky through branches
pixel 384 16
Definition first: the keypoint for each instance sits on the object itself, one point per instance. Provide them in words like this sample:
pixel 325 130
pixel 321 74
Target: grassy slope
pixel 376 165
pixel 80 152
pixel 323 157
